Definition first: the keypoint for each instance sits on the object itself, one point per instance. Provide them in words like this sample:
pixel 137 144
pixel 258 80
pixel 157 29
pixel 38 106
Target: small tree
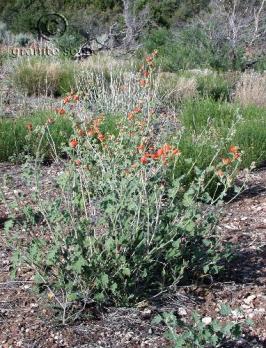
pixel 236 27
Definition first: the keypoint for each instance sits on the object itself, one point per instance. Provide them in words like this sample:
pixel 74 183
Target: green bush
pixel 182 52
pixel 20 137
pixel 3 58
pixel 199 115
pixel 3 32
pixel 68 45
pixel 192 48
pixel 251 134
pixel 23 39
pixel 148 232
pixel 37 76
pixel 200 334
pixel 215 86
pixel 260 65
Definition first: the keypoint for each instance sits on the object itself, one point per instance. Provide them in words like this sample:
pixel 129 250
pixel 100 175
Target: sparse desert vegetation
pixel 132 180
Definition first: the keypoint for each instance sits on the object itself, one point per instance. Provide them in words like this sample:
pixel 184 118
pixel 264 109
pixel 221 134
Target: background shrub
pixel 68 45
pixel 200 115
pixel 37 76
pixel 215 86
pixel 17 140
pixel 174 88
pixel 251 89
pixel 23 39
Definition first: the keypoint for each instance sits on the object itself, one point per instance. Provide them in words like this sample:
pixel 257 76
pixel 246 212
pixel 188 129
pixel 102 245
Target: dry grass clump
pixel 37 76
pixel 106 62
pixel 174 88
pixel 251 89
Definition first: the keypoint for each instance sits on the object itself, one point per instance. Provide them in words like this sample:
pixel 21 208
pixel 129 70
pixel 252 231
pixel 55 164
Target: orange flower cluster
pixel 163 153
pixel 143 82
pixel 94 130
pixel 70 98
pixel 135 111
pixel 60 111
pixel 29 127
pixel 73 143
pixel 149 59
pixel 235 154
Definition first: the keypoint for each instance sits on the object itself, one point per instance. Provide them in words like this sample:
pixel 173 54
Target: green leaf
pixel 126 271
pixel 114 288
pixel 72 297
pixel 206 268
pixel 8 225
pixel 104 280
pixel 157 320
pixel 99 297
pixel 225 310
pixel 77 266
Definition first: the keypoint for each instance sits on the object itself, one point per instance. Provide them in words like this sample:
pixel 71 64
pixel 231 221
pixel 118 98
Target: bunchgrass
pixel 39 76
pixel 250 131
pixel 19 137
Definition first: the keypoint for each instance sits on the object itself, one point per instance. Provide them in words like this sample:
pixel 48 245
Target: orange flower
pixel 60 111
pixel 67 100
pixel 226 161
pixel 237 155
pixel 91 132
pixel 176 152
pixel 142 83
pixel 155 156
pixel 73 143
pixel 144 160
pixel 101 137
pixel 140 148
pixel 130 115
pixel 220 173
pixel 159 152
pixel 233 149
pixel 137 110
pixel 29 127
pixel 149 59
pixel 76 98
pixel 166 148
pixel 146 74
pixel 81 133
pixel 78 162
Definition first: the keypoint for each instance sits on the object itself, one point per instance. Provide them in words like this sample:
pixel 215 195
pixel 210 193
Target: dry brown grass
pixel 36 76
pixel 175 88
pixel 251 89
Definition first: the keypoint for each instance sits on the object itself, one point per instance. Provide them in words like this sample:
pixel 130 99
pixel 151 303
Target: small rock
pixel 146 313
pixel 207 320
pixel 249 299
pixel 181 311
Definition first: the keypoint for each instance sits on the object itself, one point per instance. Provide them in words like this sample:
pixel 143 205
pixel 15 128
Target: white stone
pixel 207 320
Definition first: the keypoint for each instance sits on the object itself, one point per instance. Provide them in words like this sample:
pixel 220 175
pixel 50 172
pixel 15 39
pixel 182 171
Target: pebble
pixel 181 311
pixel 249 299
pixel 207 320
